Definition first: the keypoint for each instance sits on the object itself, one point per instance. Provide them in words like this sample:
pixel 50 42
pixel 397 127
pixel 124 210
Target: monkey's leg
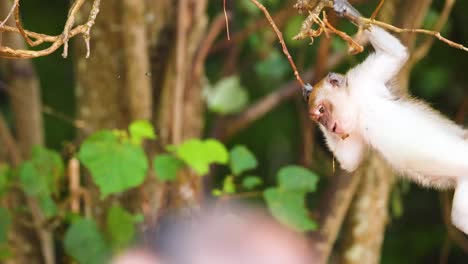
pixel 460 205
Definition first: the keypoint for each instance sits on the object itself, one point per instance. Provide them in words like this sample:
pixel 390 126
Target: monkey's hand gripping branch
pixel 344 9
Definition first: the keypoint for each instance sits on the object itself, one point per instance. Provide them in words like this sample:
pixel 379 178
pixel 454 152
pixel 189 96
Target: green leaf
pixel 140 130
pixel 288 207
pixel 296 178
pixel 216 192
pixel 84 242
pixel 41 174
pixel 120 226
pixel 166 166
pixel 200 154
pixel 292 28
pixel 5 222
pixel 250 182
pixel 228 185
pixel 249 7
pixel 241 159
pixel 47 205
pixel 227 96
pixel 273 68
pixel 115 165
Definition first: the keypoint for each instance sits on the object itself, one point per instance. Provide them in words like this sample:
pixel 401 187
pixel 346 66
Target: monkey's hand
pixel 344 9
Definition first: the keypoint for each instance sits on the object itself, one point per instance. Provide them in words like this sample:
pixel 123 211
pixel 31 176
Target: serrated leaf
pixel 140 130
pixel 200 154
pixel 250 182
pixel 166 166
pixel 228 185
pixel 84 243
pixel 296 178
pixel 115 165
pixel 288 207
pixel 5 222
pixel 41 174
pixel 227 96
pixel 241 159
pixel 120 226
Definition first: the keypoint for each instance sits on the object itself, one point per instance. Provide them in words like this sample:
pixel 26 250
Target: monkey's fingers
pixel 344 9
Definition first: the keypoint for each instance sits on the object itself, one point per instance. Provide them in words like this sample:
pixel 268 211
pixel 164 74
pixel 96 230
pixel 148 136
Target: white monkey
pixel 358 111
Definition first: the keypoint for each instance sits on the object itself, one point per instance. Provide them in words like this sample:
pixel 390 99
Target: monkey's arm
pixel 390 55
pixel 349 152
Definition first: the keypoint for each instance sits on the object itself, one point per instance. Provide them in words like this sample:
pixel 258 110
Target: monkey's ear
pixel 336 79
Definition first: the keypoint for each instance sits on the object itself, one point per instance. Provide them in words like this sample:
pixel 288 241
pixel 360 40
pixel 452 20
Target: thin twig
pixel 91 20
pixel 74 184
pixel 280 17
pixel 57 41
pixel 12 10
pixel 281 40
pixel 354 47
pixel 376 11
pixel 227 20
pixel 422 50
pixel 19 25
pixel 414 30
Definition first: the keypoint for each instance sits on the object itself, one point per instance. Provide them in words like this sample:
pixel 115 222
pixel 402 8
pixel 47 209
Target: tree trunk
pixel 132 73
pixel 25 97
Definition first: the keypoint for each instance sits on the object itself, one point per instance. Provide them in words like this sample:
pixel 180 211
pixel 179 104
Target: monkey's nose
pixel 314 116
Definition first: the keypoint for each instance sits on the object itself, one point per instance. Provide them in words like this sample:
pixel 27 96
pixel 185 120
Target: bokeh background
pixel 137 63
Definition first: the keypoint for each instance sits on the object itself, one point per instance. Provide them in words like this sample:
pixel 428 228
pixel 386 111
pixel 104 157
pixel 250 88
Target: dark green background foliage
pixel 256 159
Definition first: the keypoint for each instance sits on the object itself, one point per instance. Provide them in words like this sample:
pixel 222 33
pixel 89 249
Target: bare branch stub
pixel 34 39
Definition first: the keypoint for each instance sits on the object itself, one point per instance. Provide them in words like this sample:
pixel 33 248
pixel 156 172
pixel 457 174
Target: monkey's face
pixel 329 105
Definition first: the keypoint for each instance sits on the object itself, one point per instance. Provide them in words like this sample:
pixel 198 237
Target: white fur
pixel 416 140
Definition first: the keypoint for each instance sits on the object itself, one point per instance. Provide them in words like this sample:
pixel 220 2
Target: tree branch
pixel 281 40
pixel 57 41
pixel 423 49
pixel 332 211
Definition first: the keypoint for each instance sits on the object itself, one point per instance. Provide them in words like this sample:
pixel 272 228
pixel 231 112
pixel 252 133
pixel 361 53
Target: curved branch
pixel 57 41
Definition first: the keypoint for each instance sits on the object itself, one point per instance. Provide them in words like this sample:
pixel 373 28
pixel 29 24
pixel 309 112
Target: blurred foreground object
pixel 220 236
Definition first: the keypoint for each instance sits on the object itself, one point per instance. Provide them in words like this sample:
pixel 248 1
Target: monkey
pixel 359 111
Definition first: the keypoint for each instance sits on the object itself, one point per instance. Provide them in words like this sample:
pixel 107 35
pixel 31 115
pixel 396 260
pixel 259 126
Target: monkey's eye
pixel 321 109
